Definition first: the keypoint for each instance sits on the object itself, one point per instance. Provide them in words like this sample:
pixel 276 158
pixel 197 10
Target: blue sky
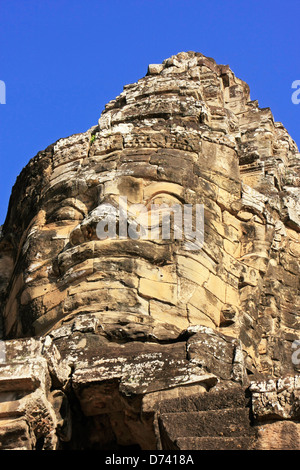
pixel 62 60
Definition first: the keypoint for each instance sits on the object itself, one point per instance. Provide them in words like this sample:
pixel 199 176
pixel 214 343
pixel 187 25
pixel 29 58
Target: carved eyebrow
pixel 163 187
pixel 169 193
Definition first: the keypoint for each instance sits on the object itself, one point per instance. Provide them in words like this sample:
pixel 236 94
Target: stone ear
pixel 62 411
pixel 6 270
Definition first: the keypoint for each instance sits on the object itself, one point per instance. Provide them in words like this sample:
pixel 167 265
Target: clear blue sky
pixel 62 60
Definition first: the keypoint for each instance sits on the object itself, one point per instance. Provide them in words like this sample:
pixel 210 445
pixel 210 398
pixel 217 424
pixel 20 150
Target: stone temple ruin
pixel 121 343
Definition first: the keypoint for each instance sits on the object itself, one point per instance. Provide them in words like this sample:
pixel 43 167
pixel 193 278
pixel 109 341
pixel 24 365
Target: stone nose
pixel 101 223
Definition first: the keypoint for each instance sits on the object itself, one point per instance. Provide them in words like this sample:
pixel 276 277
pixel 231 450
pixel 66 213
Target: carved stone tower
pixel 156 342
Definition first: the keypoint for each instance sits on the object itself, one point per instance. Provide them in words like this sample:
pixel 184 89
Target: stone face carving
pixel 119 326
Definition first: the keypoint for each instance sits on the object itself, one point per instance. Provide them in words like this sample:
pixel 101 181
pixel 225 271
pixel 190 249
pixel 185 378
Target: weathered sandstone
pixel 156 342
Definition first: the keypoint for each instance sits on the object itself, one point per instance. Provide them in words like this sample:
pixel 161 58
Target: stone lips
pixel 186 132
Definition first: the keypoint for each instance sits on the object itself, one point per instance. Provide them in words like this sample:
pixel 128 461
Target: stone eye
pixel 70 209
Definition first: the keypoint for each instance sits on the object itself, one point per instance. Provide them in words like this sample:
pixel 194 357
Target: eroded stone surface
pixel 98 333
